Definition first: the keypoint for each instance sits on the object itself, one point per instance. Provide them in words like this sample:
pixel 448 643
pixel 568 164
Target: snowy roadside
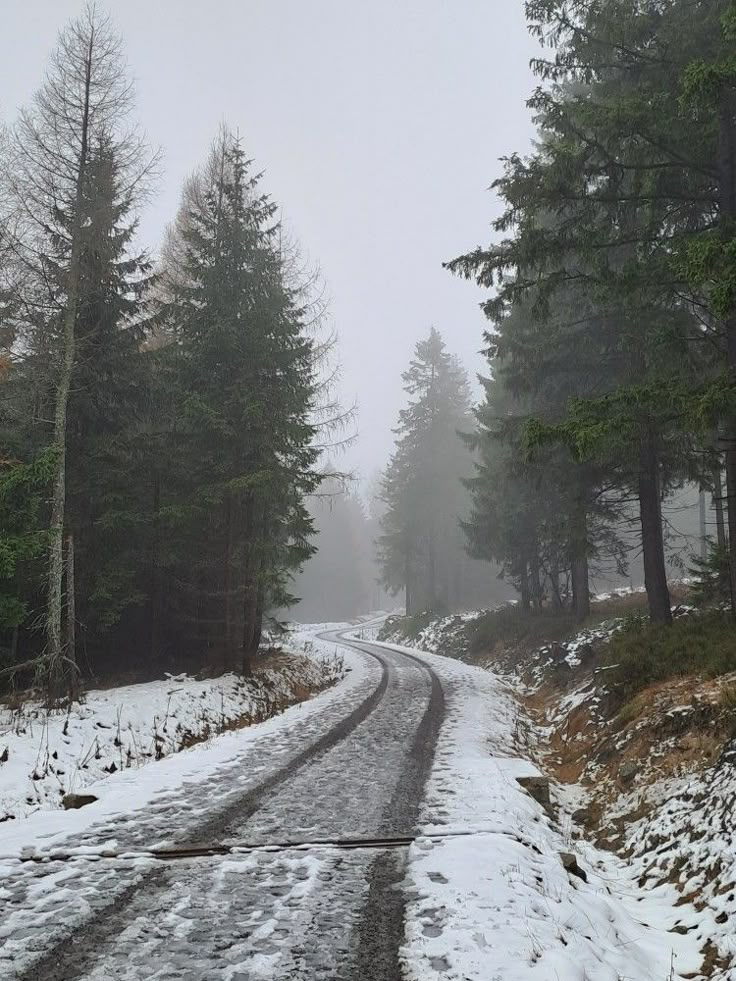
pixel 491 899
pixel 126 745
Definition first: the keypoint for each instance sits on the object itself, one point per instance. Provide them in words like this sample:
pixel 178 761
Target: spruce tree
pixel 106 401
pixel 595 223
pixel 421 545
pixel 244 377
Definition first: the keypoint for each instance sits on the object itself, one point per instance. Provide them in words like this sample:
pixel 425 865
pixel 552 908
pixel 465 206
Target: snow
pixel 490 899
pixel 166 714
pixel 263 912
pixel 688 839
pixel 86 860
pixel 444 633
pixel 51 753
pixel 621 591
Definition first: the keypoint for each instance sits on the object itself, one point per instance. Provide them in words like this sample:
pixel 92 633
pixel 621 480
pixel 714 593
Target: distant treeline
pixel 424 494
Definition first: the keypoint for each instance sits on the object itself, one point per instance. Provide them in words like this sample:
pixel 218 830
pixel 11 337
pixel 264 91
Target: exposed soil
pixel 671 729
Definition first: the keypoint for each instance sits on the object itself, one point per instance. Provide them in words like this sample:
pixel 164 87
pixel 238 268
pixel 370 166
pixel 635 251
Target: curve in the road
pixel 381 929
pixel 377 932
pixel 62 961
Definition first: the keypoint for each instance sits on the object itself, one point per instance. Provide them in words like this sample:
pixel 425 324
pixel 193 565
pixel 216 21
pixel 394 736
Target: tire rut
pixel 373 954
pixel 381 924
pixel 72 954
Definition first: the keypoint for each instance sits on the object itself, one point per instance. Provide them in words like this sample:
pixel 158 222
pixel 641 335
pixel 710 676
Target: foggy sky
pixel 379 125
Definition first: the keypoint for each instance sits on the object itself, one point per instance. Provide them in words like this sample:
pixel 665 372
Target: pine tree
pixel 421 545
pixel 595 222
pixel 82 104
pixel 243 370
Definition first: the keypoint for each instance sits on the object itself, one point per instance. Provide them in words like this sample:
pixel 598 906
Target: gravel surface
pixel 355 771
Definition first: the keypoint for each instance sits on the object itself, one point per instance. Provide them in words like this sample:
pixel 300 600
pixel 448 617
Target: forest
pixel 390 632
pixel 160 420
pixel 611 342
pixel 167 419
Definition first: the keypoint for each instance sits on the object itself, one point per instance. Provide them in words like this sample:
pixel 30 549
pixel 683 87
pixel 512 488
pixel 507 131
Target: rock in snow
pixel 75 801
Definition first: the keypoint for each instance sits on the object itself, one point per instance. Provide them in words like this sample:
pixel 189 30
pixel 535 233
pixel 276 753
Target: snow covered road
pixel 242 863
pixel 106 908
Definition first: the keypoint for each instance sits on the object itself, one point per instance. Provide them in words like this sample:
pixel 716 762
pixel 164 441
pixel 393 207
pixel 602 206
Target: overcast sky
pixel 379 124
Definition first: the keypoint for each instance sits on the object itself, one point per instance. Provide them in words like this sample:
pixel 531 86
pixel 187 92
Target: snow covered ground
pixel 490 899
pixel 45 755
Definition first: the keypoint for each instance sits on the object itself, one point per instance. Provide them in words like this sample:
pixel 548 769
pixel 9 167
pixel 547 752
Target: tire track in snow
pixel 249 917
pixel 71 953
pixel 381 926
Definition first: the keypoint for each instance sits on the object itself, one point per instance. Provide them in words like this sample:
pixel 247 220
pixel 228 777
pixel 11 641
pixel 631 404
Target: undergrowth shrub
pixel 641 654
pixel 512 626
pixel 409 627
pixel 711 577
pixel 629 711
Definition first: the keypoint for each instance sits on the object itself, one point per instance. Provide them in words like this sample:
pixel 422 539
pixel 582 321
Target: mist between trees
pixel 612 344
pixel 410 538
pixel 164 425
pixel 611 348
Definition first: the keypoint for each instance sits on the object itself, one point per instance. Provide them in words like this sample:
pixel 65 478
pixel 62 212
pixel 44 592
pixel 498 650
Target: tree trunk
pixel 432 572
pixel 252 584
pixel 54 615
pixel 580 575
pixel 251 637
pixel 231 654
pixel 535 584
pixel 579 567
pixel 258 626
pixel 727 200
pixel 58 500
pixel 156 585
pixel 524 586
pixel 554 582
pixel 71 622
pixel 731 515
pixel 718 505
pixel 702 509
pixel 655 570
pixel 408 591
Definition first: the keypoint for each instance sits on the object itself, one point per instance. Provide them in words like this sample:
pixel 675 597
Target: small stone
pixel 75 801
pixel 536 787
pixel 557 651
pixel 627 771
pixel 586 653
pixel 570 864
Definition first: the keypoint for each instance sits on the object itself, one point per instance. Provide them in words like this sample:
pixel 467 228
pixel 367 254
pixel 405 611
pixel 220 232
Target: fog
pixel 379 128
pixel 367 409
pixel 377 131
